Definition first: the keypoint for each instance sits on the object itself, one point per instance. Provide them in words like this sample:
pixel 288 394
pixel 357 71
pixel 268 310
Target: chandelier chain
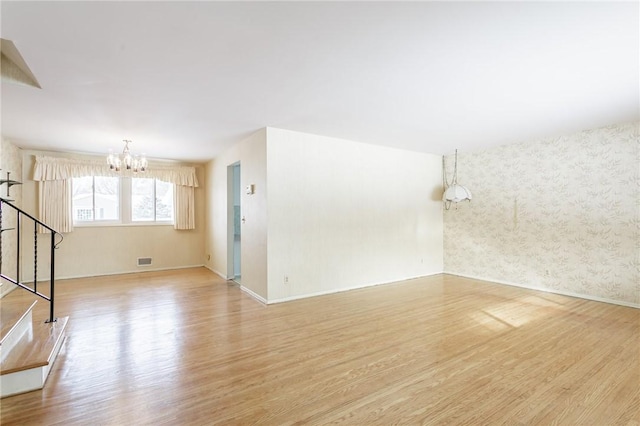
pixel 454 177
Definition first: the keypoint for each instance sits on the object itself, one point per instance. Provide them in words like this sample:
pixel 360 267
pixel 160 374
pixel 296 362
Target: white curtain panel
pixel 184 207
pixel 55 204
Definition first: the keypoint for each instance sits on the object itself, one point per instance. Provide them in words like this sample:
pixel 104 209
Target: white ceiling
pixel 185 80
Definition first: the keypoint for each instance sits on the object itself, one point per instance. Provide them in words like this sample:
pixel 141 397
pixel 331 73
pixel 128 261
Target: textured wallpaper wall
pixel 561 214
pixel 10 161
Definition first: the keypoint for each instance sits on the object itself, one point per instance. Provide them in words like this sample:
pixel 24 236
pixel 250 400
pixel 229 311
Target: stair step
pixel 28 365
pixel 37 350
pixel 28 347
pixel 12 313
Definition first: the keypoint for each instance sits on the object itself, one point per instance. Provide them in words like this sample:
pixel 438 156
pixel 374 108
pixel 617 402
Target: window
pixel 151 200
pixel 84 214
pixel 112 200
pixel 96 199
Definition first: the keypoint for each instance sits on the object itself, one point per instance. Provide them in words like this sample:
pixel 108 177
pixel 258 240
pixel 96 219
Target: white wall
pixel 254 210
pixel 344 214
pixel 559 214
pixel 90 251
pixel 217 226
pixel 251 153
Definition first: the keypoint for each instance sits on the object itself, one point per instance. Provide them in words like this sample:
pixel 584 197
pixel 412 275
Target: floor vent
pixel 144 261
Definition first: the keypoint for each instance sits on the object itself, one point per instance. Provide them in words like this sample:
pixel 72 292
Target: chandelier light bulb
pixel 130 162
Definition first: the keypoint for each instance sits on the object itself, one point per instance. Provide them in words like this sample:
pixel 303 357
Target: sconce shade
pixel 453 193
pixel 456 193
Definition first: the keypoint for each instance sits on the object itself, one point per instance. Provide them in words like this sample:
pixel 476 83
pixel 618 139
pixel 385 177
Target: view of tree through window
pixel 151 200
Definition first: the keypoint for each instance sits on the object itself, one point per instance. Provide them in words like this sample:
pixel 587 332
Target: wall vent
pixel 144 261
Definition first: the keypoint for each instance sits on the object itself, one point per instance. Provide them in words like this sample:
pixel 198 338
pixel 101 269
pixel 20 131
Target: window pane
pixel 107 198
pixel 98 199
pixel 164 200
pixel 142 205
pixel 82 199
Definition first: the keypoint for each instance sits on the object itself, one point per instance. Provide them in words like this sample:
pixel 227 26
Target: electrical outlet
pixel 286 279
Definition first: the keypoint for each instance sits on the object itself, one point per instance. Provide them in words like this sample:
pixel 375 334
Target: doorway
pixel 235 220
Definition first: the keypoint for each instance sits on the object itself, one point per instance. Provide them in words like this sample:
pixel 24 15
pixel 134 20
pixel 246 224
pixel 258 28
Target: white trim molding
pixel 341 290
pixel 553 291
pixel 254 295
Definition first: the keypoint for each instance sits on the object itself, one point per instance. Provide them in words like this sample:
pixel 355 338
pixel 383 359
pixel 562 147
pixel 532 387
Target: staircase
pixel 29 345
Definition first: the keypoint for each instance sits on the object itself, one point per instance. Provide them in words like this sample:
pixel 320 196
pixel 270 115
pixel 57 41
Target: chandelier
pixel 126 160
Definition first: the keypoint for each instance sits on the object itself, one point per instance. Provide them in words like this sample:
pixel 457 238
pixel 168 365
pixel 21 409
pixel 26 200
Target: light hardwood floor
pixel 187 348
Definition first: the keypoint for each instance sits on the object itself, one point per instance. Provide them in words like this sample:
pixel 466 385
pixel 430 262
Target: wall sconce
pixel 453 192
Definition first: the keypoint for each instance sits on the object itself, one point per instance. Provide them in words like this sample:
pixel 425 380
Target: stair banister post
pixel 51 279
pixel 35 256
pixel 18 238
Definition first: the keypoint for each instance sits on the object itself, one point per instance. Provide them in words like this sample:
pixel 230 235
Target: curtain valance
pixel 58 168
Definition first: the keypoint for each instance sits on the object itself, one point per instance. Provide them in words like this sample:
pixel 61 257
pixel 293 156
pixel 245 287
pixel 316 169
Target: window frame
pixel 155 203
pixel 94 221
pixel 125 208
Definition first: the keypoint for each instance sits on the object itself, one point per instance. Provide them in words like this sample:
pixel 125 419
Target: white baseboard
pixel 340 290
pixel 134 271
pixel 218 273
pixel 253 294
pixel 550 290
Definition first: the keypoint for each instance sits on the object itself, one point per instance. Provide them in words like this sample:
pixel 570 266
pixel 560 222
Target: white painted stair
pixel 28 348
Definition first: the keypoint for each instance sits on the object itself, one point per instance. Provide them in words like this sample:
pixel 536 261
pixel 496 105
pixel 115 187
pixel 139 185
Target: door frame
pixel 232 187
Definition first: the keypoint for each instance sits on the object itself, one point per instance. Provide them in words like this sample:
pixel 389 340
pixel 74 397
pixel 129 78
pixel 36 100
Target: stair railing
pixel 38 228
